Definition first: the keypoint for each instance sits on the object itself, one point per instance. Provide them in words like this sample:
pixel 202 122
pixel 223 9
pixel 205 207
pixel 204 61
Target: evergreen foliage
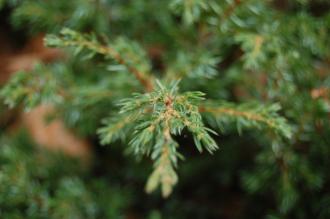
pixel 39 184
pixel 159 76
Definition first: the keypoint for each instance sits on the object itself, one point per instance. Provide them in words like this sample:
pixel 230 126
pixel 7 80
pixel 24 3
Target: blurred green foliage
pixel 262 65
pixel 38 184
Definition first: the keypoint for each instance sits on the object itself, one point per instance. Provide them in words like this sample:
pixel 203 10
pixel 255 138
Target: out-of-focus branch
pixel 70 38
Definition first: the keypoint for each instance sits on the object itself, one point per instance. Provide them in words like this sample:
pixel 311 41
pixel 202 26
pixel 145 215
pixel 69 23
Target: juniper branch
pixel 250 115
pixel 160 114
pixel 70 38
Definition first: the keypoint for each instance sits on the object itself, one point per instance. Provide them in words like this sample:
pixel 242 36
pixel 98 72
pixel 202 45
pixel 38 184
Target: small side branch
pixel 248 115
pixel 236 113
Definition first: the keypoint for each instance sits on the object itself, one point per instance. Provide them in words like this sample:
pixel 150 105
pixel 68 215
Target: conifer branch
pixel 154 117
pixel 199 65
pixel 48 85
pixel 116 127
pixel 236 113
pixel 33 88
pixel 70 38
pixel 248 115
pixel 166 160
